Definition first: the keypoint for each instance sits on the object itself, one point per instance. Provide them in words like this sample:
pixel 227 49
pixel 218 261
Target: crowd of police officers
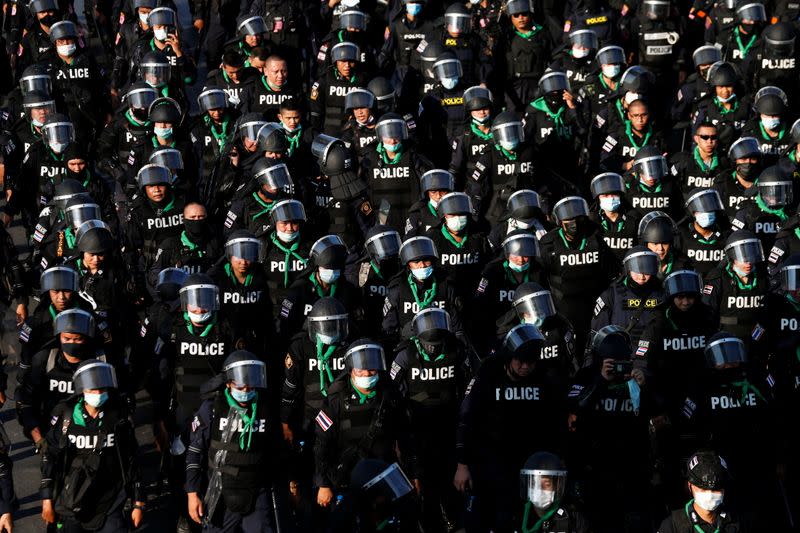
pixel 409 265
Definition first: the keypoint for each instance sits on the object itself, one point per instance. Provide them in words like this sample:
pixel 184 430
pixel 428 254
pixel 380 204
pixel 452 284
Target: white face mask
pixel 580 53
pixel 328 275
pixel 200 318
pixel 456 223
pixel 509 146
pixel 611 71
pixel 66 50
pixel 287 236
pixel 519 224
pixel 326 340
pixel 610 203
pixel 143 18
pixel 160 33
pixel 95 399
pixel 449 83
pixel 708 500
pixel 366 382
pixel 542 499
pixel 58 147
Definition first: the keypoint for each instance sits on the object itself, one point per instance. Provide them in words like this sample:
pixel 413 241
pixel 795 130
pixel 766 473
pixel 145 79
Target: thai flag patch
pixel 24 332
pixel 641 351
pixel 395 369
pixel 323 421
pixel 38 234
pixel 229 219
pixel 757 333
pixel 482 285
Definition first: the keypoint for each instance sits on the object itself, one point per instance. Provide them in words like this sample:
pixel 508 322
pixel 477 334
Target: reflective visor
pixel 205 297
pixel 745 251
pixel 367 356
pixel 384 245
pixel 95 375
pixel 244 248
pixel 250 373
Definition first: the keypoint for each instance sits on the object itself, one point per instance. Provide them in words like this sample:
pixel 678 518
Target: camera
pixel 622 368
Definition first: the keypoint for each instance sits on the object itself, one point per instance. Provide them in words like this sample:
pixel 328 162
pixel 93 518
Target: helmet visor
pixel 288 210
pixel 78 214
pixel 248 373
pixel 705 201
pixel 156 74
pixel 392 129
pixel 611 55
pixel 212 99
pixel 510 132
pixel 353 20
pixel 521 245
pixel 725 351
pixel 754 12
pixel 252 26
pixel 74 321
pixel 553 82
pixel 642 263
pixel 59 279
pixel 745 251
pixel 203 297
pixel 584 39
pixel 542 486
pixel 244 248
pixel 790 278
pixel 367 356
pixel 776 193
pixel 654 168
pixel 359 99
pixel 275 177
pixel 167 157
pixel 458 22
pixel 95 375
pixel 437 180
pixel 36 82
pixel 392 484
pixel 334 328
pixel 534 308
pixel 59 132
pixel 607 183
pixel 384 245
pixel 141 98
pixel 569 208
pixel 682 282
pixel 249 130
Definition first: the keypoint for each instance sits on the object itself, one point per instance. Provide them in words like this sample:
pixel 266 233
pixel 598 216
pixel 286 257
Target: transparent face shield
pixel 212 99
pixel 437 180
pixel 153 175
pixel 345 52
pixel 430 324
pixel 521 245
pixel 611 55
pixel 200 297
pixel 162 16
pixel 569 208
pixel 78 214
pixel 683 282
pixel 524 204
pixel 607 183
pixel 642 263
pixel 396 129
pixel 754 12
pixel 458 23
pixel 156 74
pixel 790 278
pixel 454 203
pixel 59 279
pixel 478 93
pixel 74 321
pixel 168 158
pixel 391 484
pixel 543 488
pixel 288 211
pixel 275 177
pixel 651 168
pixel 745 251
pixel 553 82
pixel 656 9
pixel 725 352
pixel 448 69
pixel 510 132
pixel 38 112
pixel 95 375
pixel 249 130
pixel 535 308
pixel 417 248
pixel 366 357
pixel 383 245
pixel 706 55
pixel 705 201
pixel 170 281
pixel 776 193
pixel 359 99
pixel 744 148
pixel 245 248
pixel 90 225
pixel 353 20
pixel 36 82
pixel 332 328
pixel 584 39
pixel 321 146
pixel 249 373
pixel 252 26
pixel 58 134
pixel 141 98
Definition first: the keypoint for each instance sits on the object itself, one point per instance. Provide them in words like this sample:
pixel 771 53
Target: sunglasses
pixel 708 137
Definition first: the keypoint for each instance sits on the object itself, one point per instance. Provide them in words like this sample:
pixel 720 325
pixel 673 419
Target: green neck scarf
pixel 511 156
pixel 424 353
pixel 362 398
pixel 69 237
pixel 724 110
pixel 766 136
pixel 190 245
pixel 742 285
pixel 289 252
pixel 246 435
pixel 325 373
pixel 267 206
pixel 428 296
pixel 539 523
pixel 769 210
pixel 558 117
pixel 206 329
pixel 219 135
pixel 478 133
pixel 77 414
pixel 702 164
pixel 318 287
pixel 742 48
pixel 248 279
pixel 385 157
pixel 375 269
pixel 629 133
pixel 747 388
pixel 133 119
pixel 52 311
pixel 529 34
pixel 294 138
pixel 452 239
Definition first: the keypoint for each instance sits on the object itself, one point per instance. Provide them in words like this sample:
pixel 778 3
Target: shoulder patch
pixel 757 332
pixel 323 421
pixel 366 208
pixel 315 91
pixel 774 255
pixel 599 305
pixel 230 218
pixel 641 351
pixel 482 285
pixel 387 306
pixel 396 368
pixel 575 391
pixel 708 289
pixel 738 224
pixel 286 308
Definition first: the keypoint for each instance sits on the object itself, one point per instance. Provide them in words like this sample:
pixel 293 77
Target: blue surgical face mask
pixel 164 133
pixel 726 100
pixel 483 120
pixel 201 318
pixel 449 83
pixel 705 220
pixel 771 123
pixel 741 273
pixel 610 203
pixel 328 275
pixel 422 273
pixel 37 123
pixel 393 148
pixel 413 9
pixel 519 268
pixel 611 71
pixel 95 399
pixel 242 396
pixel 509 146
pixel 287 236
pixel 366 382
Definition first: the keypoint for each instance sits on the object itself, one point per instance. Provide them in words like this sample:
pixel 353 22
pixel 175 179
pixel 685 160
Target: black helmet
pixel 707 470
pixel 65 190
pixel 382 242
pixel 725 349
pixel 543 480
pixel 353 18
pixel 58 132
pixel 337 160
pixel 607 183
pixel 636 79
pixel 723 74
pixel 249 125
pixel 329 252
pixel 141 96
pixel 743 148
pixel 272 173
pixel 458 18
pixel 79 209
pixel 243 244
pixel 74 321
pixel 520 242
pixel 96 241
pixel 611 55
pixel 743 245
pixel 170 280
pixel 65 29
pixel 88 226
pixel 199 291
pixel 322 144
pixel 569 208
pixel 524 342
pixel 683 282
pixel 790 273
pixel 328 321
pixel 288 210
pixel 515 7
pixel 780 38
pixel 447 66
pixel 59 278
pixel 775 187
pixel 656 227
pixel 585 38
pixel 417 249
pixel 163 16
pixel 770 104
pixel 752 11
pixel 706 55
pixel 796 131
pixel 533 303
pixel 553 81
pixel 437 180
pixel 165 110
pixel 704 201
pixel 272 138
pixel 365 354
pixel 38 6
pixel 155 68
pixel 243 368
pixel 641 260
pixel 359 99
pixel 429 56
pixel 166 157
pixel 345 51
pixel 251 25
pixel 507 127
pixel 611 342
pixel 383 91
pixel 477 97
pixel 36 78
pixel 524 205
pixel 432 327
pixel 212 98
pixel 94 374
pixel 454 203
pixel 153 175
pixel 391 126
pixel 650 163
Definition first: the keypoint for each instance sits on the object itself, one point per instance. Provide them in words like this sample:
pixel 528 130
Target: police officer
pixel 328 92
pixel 233 439
pixel 491 443
pixel 90 467
pixel 736 289
pixel 775 63
pixel 733 186
pixel 661 48
pixel 703 237
pixel 49 380
pixel 359 131
pixel 363 416
pixel 35 45
pixel 464 250
pixel 476 138
pixel 651 188
pixel 459 36
pixel 727 105
pixel 745 37
pixel 128 34
pixel 543 488
pixel 352 28
pixel 578 262
pixel 378 266
pixel 407 34
pixel 252 207
pixel 423 215
pixel 637 132
pixel 698 167
pixel 707 480
pixel 577 61
pixel 696 86
pixel 265 95
pixel 323 277
pixel 614 213
pixel 420 284
pixel 787 243
pixel 59 244
pixel 657 232
pixel 769 125
pixel 523 212
pixel 213 130
pixel 8 500
pixel 285 249
pixel 631 301
pixel 611 405
pixel 526 51
pixel 43 161
pixel 601 86
pixel 441 110
pixel 432 371
pixel 764 214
